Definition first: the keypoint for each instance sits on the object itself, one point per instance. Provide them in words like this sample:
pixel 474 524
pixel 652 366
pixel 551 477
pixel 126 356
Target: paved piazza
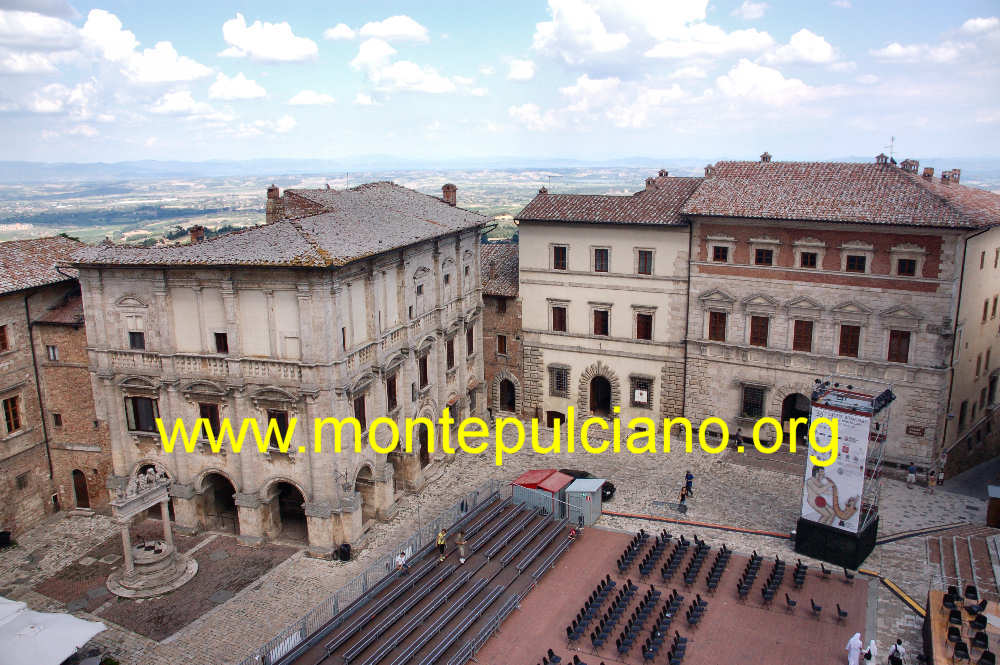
pixel 724 493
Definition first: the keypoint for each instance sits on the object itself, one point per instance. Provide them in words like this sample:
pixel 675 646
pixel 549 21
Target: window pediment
pixel 272 394
pixel 760 301
pixel 902 312
pixel 202 387
pixel 716 296
pixel 804 303
pixel 131 302
pixel 421 272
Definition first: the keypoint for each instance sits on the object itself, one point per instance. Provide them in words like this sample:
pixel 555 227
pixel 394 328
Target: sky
pixel 587 79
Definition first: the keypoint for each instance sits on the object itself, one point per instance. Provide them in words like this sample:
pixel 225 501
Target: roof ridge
pixel 310 240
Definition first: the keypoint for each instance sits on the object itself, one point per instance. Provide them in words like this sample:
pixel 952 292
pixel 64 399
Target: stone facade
pixel 271 342
pixel 502 317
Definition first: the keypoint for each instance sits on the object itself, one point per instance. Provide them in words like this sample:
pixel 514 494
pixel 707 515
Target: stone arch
pixel 268 488
pixel 81 493
pixel 779 394
pixel 131 300
pixel 216 497
pixel 598 369
pixel 364 485
pixel 199 480
pixel 502 375
pixel 284 513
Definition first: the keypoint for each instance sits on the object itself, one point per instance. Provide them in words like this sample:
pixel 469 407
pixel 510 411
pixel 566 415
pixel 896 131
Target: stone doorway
pixel 398 472
pixel 219 502
pixel 600 396
pixel 795 405
pixel 508 396
pixel 80 489
pixel 291 512
pixel 552 416
pixel 423 435
pixel 364 484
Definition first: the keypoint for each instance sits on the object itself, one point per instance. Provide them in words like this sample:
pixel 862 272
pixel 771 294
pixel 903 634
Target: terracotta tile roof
pixel 498 268
pixel 25 264
pixel 659 203
pixel 839 191
pixel 68 312
pixel 351 224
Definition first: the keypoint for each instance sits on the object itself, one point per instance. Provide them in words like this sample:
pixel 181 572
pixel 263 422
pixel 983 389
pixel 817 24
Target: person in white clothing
pixel 854 650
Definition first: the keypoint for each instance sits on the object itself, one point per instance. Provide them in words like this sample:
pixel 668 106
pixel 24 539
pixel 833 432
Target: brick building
pixel 501 343
pixel 30 284
pixel 603 284
pixel 347 303
pixel 872 272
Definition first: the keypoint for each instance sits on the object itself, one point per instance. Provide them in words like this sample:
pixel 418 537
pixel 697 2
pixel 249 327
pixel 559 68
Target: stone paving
pixel 724 493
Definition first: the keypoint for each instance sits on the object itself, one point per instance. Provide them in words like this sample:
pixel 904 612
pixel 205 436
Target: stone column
pixel 320 529
pixel 168 534
pixel 126 546
pixel 249 508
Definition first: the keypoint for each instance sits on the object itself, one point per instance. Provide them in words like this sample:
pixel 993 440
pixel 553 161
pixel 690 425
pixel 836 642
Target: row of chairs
pixel 746 580
pixel 674 561
pixel 979 641
pixel 799 574
pixel 718 567
pixel 632 550
pixel 610 619
pixel 653 556
pixel 773 580
pixel 550 658
pixel 696 611
pixel 651 649
pixel 694 566
pixel 593 603
pixel 636 621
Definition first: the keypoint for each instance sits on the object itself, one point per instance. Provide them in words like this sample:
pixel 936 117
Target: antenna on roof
pixel 891 146
pixel 550 179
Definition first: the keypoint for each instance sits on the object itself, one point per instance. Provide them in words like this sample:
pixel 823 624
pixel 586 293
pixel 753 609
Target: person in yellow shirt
pixel 442 540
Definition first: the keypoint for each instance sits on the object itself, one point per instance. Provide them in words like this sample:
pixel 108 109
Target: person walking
pixel 461 542
pixel 689 482
pixel 931 479
pixel 682 501
pixel 911 475
pixel 940 475
pixel 442 540
pixel 897 653
pixel 853 649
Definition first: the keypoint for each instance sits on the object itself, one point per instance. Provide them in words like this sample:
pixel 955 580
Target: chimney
pixel 910 165
pixel 954 175
pixel 543 190
pixel 766 157
pixel 709 169
pixel 663 173
pixel 273 209
pixel 450 194
pixel 928 171
pixel 650 183
pixel 881 159
pixel 197 233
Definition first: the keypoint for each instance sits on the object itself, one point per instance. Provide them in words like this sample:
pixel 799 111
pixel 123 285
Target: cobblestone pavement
pixel 724 493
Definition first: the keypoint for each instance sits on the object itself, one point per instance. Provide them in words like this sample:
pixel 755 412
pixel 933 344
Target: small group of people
pixel 935 476
pixel 686 491
pixel 856 651
pixel 442 543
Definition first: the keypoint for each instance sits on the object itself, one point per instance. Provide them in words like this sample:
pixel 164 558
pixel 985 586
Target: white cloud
pixel 765 85
pixel 804 46
pixel 311 98
pixel 56 98
pixel 57 8
pixel 364 99
pixel 339 31
pixel 702 39
pixel 867 79
pixel 990 116
pixel 372 53
pixel 402 28
pixel 237 87
pixel 750 10
pixel 531 117
pixel 637 113
pixel 843 4
pixel 521 70
pixel 575 31
pixel 16 62
pixel 282 125
pixel 896 51
pixel 486 70
pixel 267 42
pixel 83 130
pixel 375 59
pixel 150 142
pixel 103 33
pixel 588 93
pixel 947 51
pixel 979 25
pixel 690 72
pixel 180 102
pixel 37 32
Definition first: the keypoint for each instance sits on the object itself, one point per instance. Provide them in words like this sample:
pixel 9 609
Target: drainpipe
pixel 38 385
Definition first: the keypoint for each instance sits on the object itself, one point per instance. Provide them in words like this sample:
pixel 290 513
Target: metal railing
pixel 342 604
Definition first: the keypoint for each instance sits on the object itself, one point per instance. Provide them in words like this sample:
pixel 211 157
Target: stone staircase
pixel 965 555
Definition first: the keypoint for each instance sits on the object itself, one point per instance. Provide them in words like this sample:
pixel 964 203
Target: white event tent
pixel 40 638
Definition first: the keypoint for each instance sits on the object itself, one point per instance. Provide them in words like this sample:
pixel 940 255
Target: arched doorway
pixel 600 396
pixel 154 512
pixel 219 504
pixel 80 489
pixel 364 483
pixel 508 396
pixel 423 436
pixel 795 405
pixel 291 512
pixel 398 471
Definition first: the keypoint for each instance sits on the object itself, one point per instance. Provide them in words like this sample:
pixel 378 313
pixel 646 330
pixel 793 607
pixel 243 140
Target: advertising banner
pixel 832 494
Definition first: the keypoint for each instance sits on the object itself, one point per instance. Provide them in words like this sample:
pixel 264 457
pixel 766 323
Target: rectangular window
pixel 802 336
pixel 601 260
pixel 987 366
pixel 850 341
pixel 986 309
pixel 4 339
pixel 447 279
pixel 717 326
pixel 963 414
pixel 343 338
pixel 472 401
pixel 466 270
pixel 390 393
pixel 982 259
pixel 410 311
pixel 645 262
pixel 807 259
pixel 720 254
pixel 12 414
pixel 559 319
pixel 982 398
pixel 501 305
pixel 642 392
pixel 559 257
pixel 449 353
pixel 210 412
pixel 141 414
pixel 644 326
pixel 763 257
pixel 752 403
pixel 601 317
pixel 422 371
pixel 993 312
pixel 22 480
pixel 979 364
pixel 856 262
pixel 906 267
pixel 359 411
pixel 57 420
pixel 899 346
pixel 758 330
pixel 137 341
pixel 280 420
pixel 221 342
pixel 559 381
pixel 413 392
pixel 420 289
pixel 52 352
pixel 502 344
pixel 470 340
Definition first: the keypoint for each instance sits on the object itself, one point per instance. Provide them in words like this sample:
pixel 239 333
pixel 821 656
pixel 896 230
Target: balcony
pixel 200 365
pixel 132 360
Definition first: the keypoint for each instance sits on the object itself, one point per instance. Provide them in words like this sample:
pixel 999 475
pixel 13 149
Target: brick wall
pixel 503 366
